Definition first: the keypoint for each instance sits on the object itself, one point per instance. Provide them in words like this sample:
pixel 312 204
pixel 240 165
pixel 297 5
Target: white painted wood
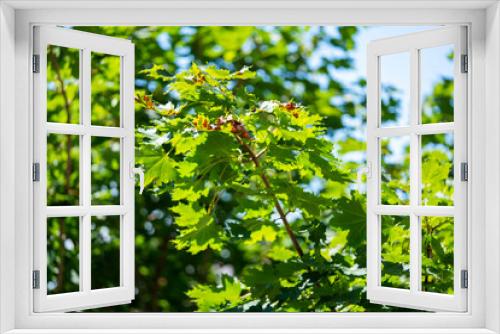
pixel 460 155
pixel 86 297
pixel 419 210
pixel 127 189
pixel 85 175
pixel 414 297
pixel 442 322
pixel 419 129
pixel 372 191
pixel 7 168
pixel 415 232
pixel 259 331
pixel 492 186
pixel 80 129
pixel 70 38
pixel 78 211
pixel 246 4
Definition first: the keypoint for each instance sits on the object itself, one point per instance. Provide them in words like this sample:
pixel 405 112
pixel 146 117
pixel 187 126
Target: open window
pixel 83 170
pixel 417 157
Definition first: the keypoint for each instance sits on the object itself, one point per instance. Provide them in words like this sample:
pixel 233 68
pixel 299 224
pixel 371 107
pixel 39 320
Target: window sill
pixel 254 331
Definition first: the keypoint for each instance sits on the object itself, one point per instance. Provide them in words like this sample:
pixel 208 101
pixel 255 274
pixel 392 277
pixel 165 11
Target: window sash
pixel 85 297
pixel 414 298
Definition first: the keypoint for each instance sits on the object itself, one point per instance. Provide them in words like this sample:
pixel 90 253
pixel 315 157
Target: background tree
pixel 298 64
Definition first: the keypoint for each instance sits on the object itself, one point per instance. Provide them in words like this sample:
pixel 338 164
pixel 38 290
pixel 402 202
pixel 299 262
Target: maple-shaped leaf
pixel 159 170
pixel 226 295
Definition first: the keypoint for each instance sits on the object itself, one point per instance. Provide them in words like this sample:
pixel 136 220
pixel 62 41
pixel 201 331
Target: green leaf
pixel 243 74
pixel 157 72
pixel 209 299
pixel 280 253
pixel 186 168
pixel 265 233
pixel 185 144
pixel 187 215
pixel 189 194
pixel 351 216
pixel 162 171
pixel 218 73
pixel 205 234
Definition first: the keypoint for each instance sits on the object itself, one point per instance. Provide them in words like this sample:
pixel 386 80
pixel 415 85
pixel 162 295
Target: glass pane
pixel 437 169
pixel 395 170
pixel 105 171
pixel 395 257
pixel 63 255
pixel 105 89
pixel 395 89
pixel 105 236
pixel 437 254
pixel 63 67
pixel 63 174
pixel 436 84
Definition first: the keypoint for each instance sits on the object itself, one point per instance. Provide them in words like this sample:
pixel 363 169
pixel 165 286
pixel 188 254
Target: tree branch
pixel 277 204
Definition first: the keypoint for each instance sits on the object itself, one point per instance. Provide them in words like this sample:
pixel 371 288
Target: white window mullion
pixel 460 156
pixel 373 177
pixel 39 156
pixel 123 175
pixel 415 234
pixel 127 117
pixel 85 175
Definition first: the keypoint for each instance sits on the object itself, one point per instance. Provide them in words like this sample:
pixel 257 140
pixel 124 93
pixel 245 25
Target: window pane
pixel 105 89
pixel 436 84
pixel 63 254
pixel 105 261
pixel 63 67
pixel 437 254
pixel 105 171
pixel 63 175
pixel 395 257
pixel 395 170
pixel 437 169
pixel 395 89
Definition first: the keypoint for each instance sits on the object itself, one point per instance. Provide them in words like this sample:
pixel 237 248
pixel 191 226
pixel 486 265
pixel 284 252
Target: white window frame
pixel 86 43
pixel 412 44
pixel 16 21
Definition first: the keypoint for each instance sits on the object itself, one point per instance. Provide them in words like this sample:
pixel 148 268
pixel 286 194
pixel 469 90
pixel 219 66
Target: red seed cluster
pixel 146 100
pixel 292 108
pixel 236 126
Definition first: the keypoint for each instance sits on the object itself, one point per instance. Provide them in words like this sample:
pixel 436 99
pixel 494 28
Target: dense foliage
pixel 261 159
pixel 251 202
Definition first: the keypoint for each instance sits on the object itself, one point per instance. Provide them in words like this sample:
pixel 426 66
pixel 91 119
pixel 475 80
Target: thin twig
pixel 277 204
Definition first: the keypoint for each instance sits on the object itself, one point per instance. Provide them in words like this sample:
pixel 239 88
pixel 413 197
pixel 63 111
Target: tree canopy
pixel 252 202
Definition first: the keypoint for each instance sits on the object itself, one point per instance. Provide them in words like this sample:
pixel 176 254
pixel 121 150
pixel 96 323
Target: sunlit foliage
pixel 209 236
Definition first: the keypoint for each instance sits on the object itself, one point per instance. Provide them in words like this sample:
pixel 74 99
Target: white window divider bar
pixel 417 129
pixel 84 130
